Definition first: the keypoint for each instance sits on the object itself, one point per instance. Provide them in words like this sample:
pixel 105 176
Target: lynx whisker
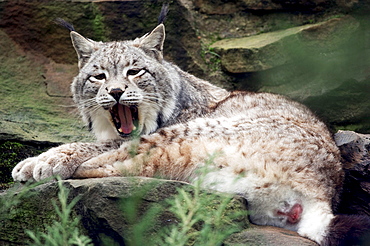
pixel 87 102
pixel 153 99
pixel 276 153
pixel 73 105
pixel 93 109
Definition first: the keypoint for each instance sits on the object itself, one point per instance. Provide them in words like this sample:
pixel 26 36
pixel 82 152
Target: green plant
pixel 197 217
pixel 139 225
pixel 98 24
pixel 12 197
pixel 211 58
pixel 203 217
pixel 64 232
pixel 10 154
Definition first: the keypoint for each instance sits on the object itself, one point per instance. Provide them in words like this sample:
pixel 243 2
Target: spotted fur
pixel 272 151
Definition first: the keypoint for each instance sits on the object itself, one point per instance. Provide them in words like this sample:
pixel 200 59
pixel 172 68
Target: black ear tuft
pixel 164 11
pixel 346 230
pixel 64 24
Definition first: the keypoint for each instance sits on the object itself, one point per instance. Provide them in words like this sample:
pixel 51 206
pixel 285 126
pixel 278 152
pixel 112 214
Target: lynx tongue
pixel 125 117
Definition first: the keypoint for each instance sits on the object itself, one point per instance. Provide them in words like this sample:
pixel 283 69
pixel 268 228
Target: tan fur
pixel 264 147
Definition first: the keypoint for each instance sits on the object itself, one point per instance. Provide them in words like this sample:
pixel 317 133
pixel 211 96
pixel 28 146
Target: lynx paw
pixel 23 171
pixel 38 168
pixel 33 169
pixel 61 161
pixel 65 159
pixel 42 167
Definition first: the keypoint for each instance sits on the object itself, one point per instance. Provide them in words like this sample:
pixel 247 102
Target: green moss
pixel 26 110
pixel 20 210
pixel 211 58
pixel 13 152
pixel 98 24
pixel 352 127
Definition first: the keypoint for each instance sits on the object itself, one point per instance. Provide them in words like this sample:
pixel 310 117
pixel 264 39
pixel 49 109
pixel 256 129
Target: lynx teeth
pixel 133 129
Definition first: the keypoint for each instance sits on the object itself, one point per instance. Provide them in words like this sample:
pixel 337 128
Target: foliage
pixel 203 217
pixel 200 209
pixel 211 58
pixel 63 232
pixel 200 218
pixel 13 196
pixel 98 24
pixel 10 154
pixel 139 225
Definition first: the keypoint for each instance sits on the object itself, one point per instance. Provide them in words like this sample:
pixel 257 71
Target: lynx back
pixel 272 151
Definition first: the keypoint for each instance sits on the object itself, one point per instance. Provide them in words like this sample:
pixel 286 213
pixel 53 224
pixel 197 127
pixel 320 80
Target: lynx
pixel 270 150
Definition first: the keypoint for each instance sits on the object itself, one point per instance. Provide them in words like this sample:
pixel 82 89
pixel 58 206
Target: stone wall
pixel 315 52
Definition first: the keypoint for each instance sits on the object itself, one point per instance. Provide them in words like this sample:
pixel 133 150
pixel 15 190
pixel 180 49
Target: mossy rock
pixel 109 208
pixel 12 152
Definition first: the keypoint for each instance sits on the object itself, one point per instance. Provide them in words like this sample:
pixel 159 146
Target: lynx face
pixel 122 88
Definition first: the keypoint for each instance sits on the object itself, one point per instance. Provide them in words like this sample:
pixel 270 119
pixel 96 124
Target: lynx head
pixel 124 88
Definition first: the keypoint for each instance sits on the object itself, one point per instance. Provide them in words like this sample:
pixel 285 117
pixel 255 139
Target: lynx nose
pixel 116 93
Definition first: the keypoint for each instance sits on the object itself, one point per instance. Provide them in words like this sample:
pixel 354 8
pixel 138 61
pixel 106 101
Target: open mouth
pixel 125 118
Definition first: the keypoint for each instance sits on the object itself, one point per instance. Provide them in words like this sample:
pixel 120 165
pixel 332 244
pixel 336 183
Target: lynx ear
pixel 84 48
pixel 153 42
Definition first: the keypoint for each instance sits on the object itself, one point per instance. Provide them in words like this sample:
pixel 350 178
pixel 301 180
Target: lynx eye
pixel 99 76
pixel 132 72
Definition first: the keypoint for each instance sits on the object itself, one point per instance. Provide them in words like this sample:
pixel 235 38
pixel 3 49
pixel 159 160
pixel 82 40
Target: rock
pixel 355 149
pixel 58 78
pixel 345 106
pixel 99 207
pixel 230 7
pixel 27 112
pixel 267 235
pixel 103 216
pixel 268 50
pixel 37 56
pixel 38 61
pixel 329 75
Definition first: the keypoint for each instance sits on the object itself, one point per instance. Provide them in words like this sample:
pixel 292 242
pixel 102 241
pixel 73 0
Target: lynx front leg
pixel 170 160
pixel 104 165
pixel 117 162
pixel 62 160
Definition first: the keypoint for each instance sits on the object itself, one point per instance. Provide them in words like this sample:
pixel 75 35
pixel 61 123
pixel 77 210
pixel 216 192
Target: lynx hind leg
pixel 320 225
pixel 278 205
pixel 316 219
pixel 311 218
